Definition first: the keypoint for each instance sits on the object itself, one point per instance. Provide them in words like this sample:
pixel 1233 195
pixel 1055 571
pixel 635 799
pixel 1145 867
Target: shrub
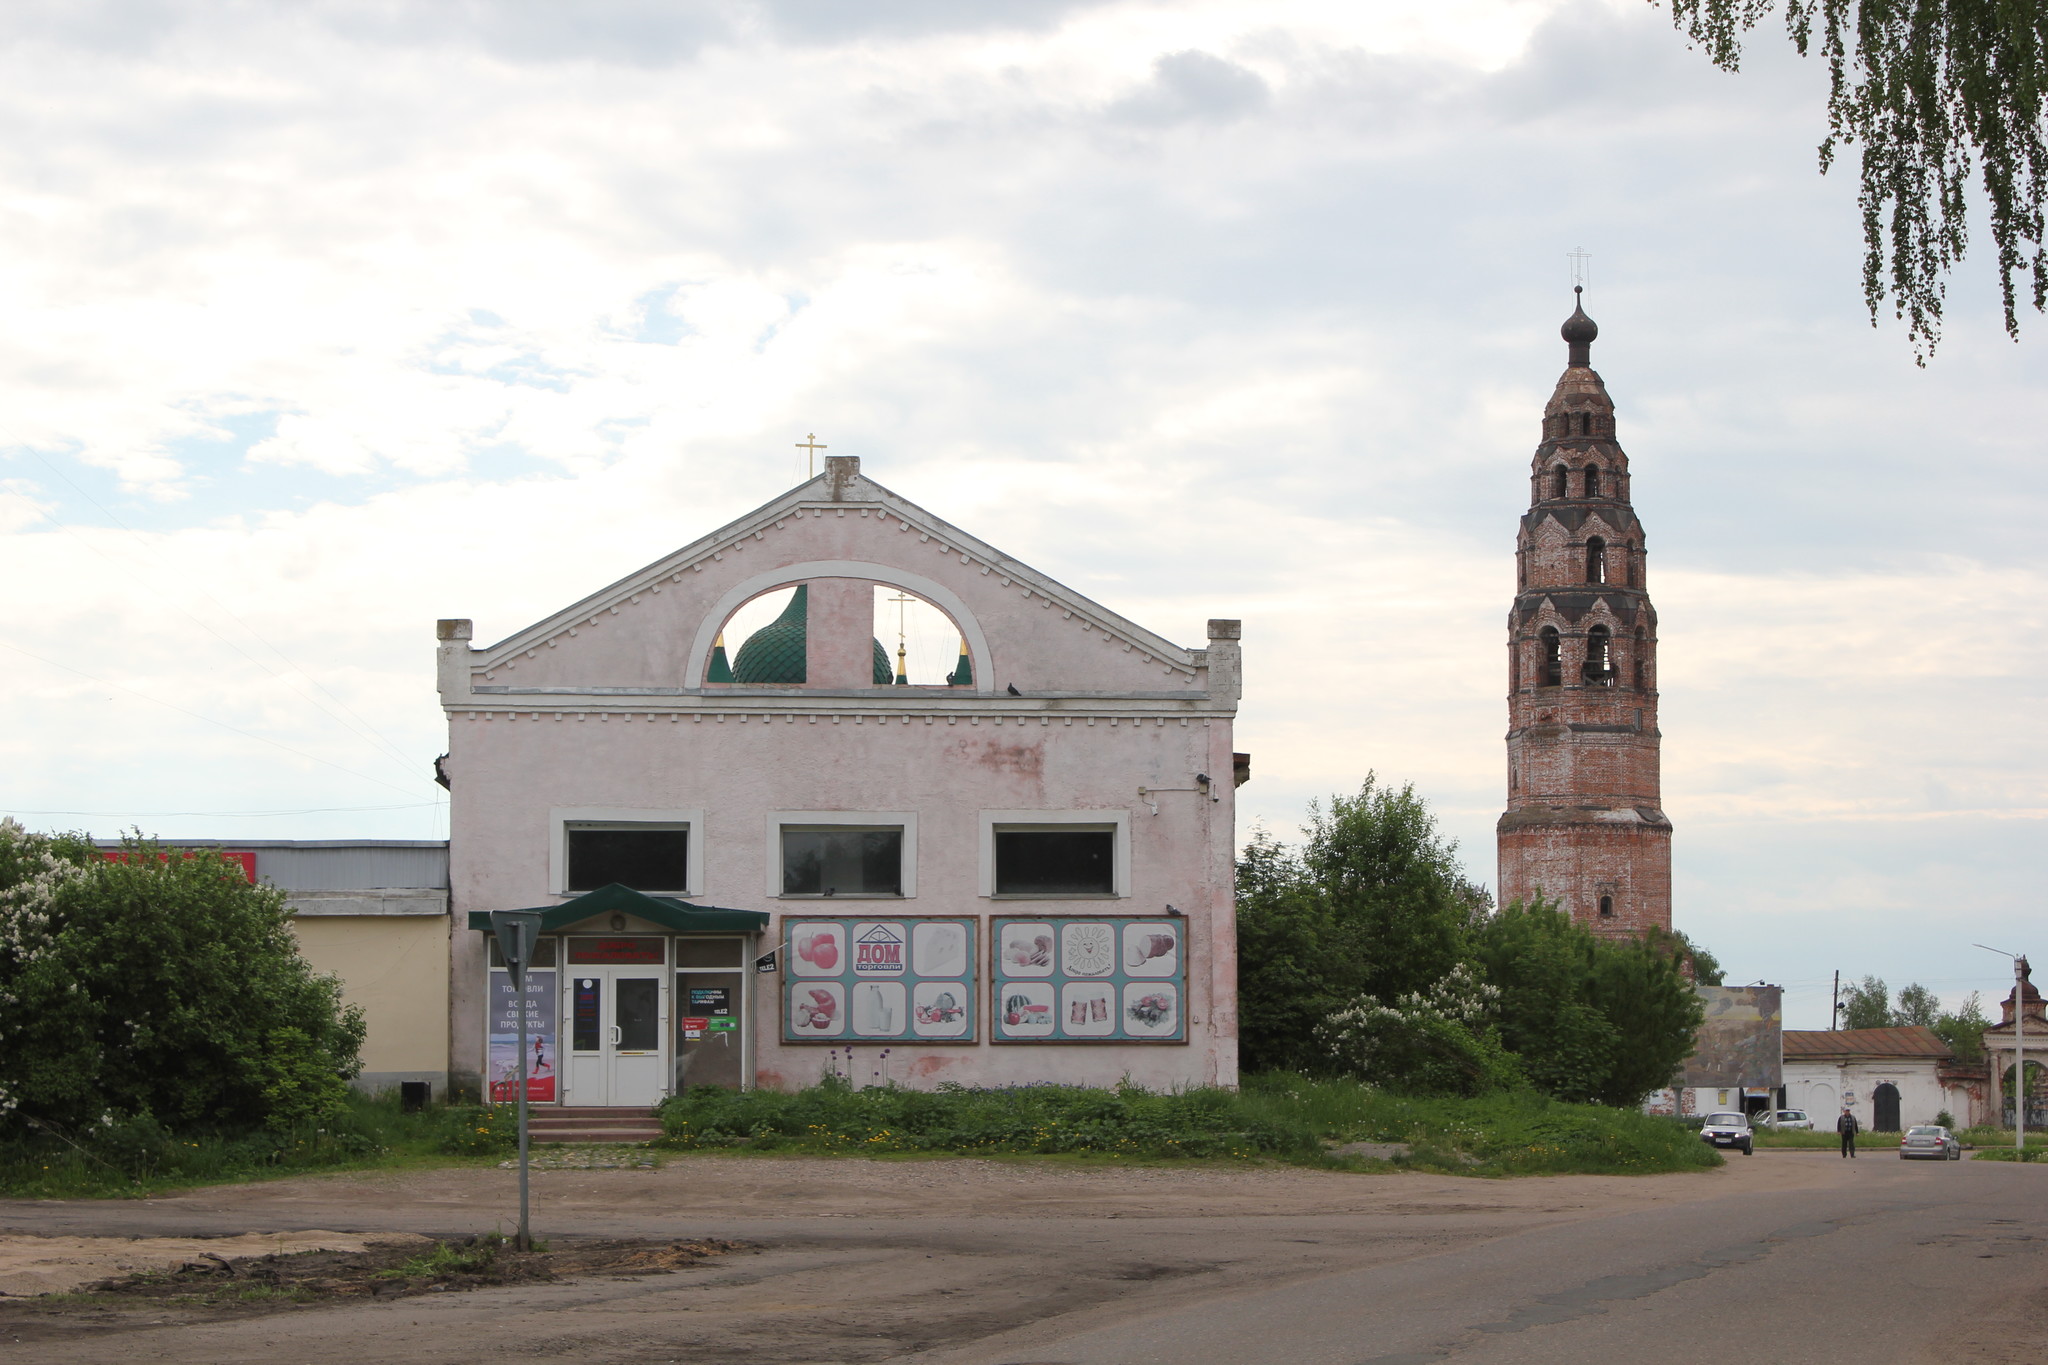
pixel 161 984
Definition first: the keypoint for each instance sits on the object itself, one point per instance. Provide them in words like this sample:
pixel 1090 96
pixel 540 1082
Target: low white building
pixel 1888 1077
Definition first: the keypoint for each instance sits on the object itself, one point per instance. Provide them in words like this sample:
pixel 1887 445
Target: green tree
pixel 1705 967
pixel 1867 1004
pixel 1373 903
pixel 1916 1005
pixel 160 984
pixel 1936 93
pixel 1963 1029
pixel 1589 1018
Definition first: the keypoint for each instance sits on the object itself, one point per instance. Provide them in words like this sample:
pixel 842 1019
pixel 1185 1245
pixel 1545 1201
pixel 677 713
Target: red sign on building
pixel 242 859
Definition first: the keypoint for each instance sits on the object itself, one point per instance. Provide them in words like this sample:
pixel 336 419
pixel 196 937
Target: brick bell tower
pixel 1584 824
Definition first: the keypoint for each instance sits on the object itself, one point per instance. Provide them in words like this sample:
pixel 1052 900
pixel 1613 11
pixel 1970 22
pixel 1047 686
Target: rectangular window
pixel 841 860
pixel 646 858
pixel 1055 860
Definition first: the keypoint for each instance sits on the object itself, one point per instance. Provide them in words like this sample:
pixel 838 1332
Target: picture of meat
pixel 817 946
pixel 1150 951
pixel 1027 950
pixel 816 1007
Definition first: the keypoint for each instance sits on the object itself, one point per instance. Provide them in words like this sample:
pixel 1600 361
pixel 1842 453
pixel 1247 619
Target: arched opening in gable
pixel 765 642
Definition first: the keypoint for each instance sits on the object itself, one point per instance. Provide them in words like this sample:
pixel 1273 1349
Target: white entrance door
pixel 616 1021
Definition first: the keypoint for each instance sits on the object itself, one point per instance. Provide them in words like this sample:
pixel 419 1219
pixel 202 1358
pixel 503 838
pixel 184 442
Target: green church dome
pixel 777 653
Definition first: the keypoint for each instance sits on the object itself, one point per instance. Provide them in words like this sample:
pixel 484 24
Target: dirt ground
pixel 843 1260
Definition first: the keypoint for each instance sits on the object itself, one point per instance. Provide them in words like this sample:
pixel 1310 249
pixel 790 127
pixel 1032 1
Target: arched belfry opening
pixel 1550 673
pixel 1599 666
pixel 1596 560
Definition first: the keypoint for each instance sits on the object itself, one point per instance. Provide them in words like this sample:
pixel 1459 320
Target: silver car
pixel 1728 1130
pixel 1788 1120
pixel 1930 1141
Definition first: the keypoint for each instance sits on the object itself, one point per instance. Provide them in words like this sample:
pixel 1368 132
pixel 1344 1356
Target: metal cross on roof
pixel 1579 256
pixel 811 443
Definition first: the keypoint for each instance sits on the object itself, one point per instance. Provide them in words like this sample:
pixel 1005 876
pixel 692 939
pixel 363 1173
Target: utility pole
pixel 1835 1019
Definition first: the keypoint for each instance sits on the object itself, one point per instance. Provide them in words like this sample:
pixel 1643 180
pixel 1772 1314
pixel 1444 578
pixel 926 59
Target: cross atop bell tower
pixel 1584 825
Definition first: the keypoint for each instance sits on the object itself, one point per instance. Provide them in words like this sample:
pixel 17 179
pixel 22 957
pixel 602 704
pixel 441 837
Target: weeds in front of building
pixel 139 1156
pixel 1284 1118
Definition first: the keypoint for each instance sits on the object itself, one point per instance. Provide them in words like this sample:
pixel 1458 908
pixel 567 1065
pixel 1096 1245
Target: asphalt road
pixel 1792 1256
pixel 1909 1262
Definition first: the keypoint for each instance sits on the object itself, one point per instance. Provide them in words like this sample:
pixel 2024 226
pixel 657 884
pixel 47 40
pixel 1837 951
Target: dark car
pixel 1728 1130
pixel 1931 1142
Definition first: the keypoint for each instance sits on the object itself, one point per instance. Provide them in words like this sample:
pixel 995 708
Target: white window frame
pixel 1008 820
pixel 856 819
pixel 560 818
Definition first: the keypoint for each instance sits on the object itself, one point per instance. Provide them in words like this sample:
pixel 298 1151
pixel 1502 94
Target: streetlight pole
pixel 2019 1048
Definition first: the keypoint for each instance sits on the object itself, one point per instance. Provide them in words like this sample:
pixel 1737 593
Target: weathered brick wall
pixel 1584 818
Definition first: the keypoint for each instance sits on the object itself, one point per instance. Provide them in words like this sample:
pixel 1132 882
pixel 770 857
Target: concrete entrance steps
pixel 550 1123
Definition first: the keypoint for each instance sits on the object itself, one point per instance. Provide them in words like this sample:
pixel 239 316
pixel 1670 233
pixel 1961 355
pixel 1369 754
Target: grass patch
pixel 1273 1118
pixel 834 1118
pixel 1515 1133
pixel 141 1157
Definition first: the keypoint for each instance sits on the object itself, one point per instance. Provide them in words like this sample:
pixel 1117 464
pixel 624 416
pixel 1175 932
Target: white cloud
pixel 364 315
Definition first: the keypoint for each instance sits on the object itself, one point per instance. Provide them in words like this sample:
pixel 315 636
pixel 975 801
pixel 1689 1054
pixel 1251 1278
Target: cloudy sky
pixel 318 322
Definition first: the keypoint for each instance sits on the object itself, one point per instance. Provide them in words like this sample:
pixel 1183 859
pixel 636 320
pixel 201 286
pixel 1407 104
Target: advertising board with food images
pixel 878 980
pixel 1089 980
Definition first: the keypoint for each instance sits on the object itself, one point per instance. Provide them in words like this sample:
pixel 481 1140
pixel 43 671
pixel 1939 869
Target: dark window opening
pixel 838 861
pixel 1055 862
pixel 1553 657
pixel 646 859
pixel 1557 481
pixel 1607 907
pixel 1596 560
pixel 1599 668
pixel 1631 553
pixel 1585 424
pixel 1592 480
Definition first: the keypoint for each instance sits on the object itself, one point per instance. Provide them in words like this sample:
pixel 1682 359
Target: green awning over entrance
pixel 666 911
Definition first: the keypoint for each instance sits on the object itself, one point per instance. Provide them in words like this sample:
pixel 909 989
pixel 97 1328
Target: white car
pixel 1728 1130
pixel 1788 1120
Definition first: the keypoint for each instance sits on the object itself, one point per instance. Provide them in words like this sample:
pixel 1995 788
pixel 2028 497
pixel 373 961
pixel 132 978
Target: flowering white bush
pixel 1441 1041
pixel 159 983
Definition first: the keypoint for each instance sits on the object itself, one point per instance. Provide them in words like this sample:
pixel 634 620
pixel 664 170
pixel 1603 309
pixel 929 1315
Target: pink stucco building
pixel 756 866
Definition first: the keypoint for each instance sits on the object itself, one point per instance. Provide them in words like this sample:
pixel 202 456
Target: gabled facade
pixel 1023 874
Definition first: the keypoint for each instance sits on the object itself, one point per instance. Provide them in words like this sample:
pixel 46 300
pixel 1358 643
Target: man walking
pixel 1847 1127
